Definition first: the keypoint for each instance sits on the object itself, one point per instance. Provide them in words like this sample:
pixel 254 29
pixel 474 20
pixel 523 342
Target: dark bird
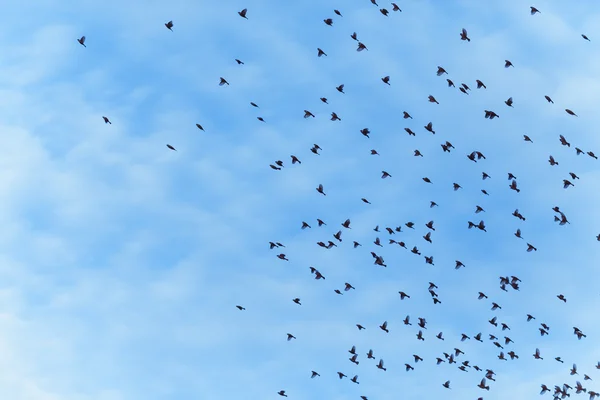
pixel 169 25
pixel 429 127
pixel 243 13
pixel 81 41
pixel 383 327
pixel 464 36
pixel 570 112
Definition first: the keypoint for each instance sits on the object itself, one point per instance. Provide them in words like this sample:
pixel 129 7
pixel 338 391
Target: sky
pixel 121 261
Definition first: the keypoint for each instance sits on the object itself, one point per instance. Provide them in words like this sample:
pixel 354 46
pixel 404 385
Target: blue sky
pixel 122 261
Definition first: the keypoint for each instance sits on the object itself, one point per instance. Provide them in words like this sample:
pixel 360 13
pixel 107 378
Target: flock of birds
pixel 499 336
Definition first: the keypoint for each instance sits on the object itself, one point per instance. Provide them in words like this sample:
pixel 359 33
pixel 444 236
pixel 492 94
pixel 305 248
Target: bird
pixel 482 384
pixel 106 120
pixel 169 25
pixel 243 13
pixel 383 327
pixel 464 36
pixel 534 10
pixel 81 41
pixel 570 112
pixel 585 37
pixel 171 147
pixel 429 127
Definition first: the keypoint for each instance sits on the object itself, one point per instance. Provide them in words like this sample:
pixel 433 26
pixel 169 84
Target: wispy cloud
pixel 122 261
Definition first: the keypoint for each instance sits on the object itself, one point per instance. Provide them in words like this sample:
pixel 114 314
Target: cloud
pixel 122 261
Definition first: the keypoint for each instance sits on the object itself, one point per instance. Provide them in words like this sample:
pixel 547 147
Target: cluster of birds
pixel 455 356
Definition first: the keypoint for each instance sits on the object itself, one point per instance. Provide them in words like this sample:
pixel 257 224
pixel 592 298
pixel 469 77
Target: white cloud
pixel 122 261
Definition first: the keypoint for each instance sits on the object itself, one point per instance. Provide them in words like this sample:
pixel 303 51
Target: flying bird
pixel 464 36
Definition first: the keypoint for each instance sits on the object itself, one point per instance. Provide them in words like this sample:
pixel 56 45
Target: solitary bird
pixel 169 25
pixel 243 13
pixel 82 41
pixel 464 36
